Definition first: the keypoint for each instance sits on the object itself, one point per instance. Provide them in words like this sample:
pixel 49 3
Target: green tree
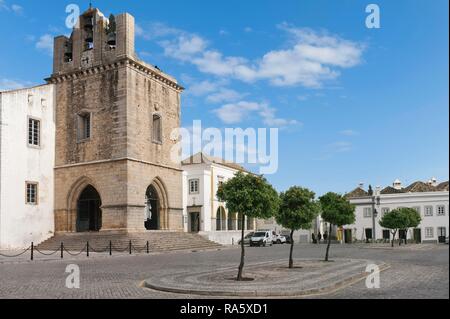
pixel 297 211
pixel 400 219
pixel 413 217
pixel 336 210
pixel 252 196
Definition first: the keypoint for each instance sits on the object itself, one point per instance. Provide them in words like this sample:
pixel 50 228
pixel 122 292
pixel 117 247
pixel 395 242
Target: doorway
pixel 417 235
pixel 348 236
pixel 152 208
pixel 89 213
pixel 194 222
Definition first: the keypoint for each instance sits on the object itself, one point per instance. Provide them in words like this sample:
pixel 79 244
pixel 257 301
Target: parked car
pixel 288 238
pixel 262 238
pixel 246 239
pixel 279 239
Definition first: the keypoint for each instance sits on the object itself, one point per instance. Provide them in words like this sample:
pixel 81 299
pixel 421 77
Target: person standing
pixel 319 237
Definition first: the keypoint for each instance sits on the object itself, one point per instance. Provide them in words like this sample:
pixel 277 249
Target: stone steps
pixel 158 241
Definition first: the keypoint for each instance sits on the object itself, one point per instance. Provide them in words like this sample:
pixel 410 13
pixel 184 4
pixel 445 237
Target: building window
pixel 442 232
pixel 429 232
pixel 31 193
pixel 440 210
pixel 84 126
pixel 194 186
pixel 428 211
pixel 157 129
pixel 417 209
pixel 34 130
pixel 367 212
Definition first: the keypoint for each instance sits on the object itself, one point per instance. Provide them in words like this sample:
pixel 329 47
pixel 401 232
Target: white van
pixel 262 238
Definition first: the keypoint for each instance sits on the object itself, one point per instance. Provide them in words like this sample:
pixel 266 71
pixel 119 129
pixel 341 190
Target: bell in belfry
pixel 111 31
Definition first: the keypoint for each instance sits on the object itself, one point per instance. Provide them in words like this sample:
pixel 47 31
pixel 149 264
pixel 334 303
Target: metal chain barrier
pixel 47 254
pixel 87 248
pixel 77 254
pixel 14 256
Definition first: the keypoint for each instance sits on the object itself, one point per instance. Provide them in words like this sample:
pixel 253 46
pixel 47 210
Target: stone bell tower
pixel 114 118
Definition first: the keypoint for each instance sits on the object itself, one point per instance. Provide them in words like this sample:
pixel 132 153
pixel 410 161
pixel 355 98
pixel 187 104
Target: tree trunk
pixel 406 236
pixel 241 265
pixel 291 261
pixel 393 238
pixel 329 243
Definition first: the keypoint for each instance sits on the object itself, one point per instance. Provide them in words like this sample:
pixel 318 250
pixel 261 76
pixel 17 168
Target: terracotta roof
pixel 391 190
pixel 357 192
pixel 416 187
pixel 419 187
pixel 443 186
pixel 201 158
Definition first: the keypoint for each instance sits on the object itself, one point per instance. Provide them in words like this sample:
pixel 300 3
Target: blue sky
pixel 353 104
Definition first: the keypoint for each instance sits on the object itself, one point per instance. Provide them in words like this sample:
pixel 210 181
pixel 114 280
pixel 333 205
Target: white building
pixel 430 199
pixel 203 212
pixel 27 153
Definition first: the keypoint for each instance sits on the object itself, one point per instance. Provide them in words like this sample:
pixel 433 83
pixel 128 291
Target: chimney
pixel 397 184
pixel 433 181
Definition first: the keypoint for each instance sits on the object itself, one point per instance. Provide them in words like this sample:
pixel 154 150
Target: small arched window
pixel 157 129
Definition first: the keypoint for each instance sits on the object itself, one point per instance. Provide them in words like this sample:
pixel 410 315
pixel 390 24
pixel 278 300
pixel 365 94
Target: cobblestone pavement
pixel 421 273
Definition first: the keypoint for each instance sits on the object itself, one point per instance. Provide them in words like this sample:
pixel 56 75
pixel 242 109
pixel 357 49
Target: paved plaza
pixel 416 272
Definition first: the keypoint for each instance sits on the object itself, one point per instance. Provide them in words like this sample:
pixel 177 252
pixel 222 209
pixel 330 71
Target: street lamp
pixel 375 201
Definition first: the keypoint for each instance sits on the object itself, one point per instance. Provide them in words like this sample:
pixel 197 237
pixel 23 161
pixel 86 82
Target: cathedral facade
pixel 113 118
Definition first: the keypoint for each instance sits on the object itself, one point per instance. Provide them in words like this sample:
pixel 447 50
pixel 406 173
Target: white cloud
pixel 234 113
pixel 248 29
pixel 45 43
pixel 312 58
pixel 349 133
pixel 17 9
pixel 184 47
pixel 156 30
pixel 9 84
pixel 224 95
pixel 202 88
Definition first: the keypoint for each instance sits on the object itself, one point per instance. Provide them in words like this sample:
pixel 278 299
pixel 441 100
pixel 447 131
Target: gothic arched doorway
pixel 89 213
pixel 152 209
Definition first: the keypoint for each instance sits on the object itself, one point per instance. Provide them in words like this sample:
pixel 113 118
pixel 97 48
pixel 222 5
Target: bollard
pixel 62 250
pixel 130 247
pixel 110 248
pixel 87 249
pixel 148 248
pixel 32 251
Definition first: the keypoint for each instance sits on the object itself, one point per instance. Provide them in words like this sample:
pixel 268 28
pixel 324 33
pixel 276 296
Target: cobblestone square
pixel 417 272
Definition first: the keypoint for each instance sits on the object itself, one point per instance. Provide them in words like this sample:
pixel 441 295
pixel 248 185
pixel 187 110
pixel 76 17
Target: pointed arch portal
pixel 152 209
pixel 89 213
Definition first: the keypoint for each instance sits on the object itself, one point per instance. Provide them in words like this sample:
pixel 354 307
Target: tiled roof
pixel 201 158
pixel 416 187
pixel 419 187
pixel 357 192
pixel 392 190
pixel 443 186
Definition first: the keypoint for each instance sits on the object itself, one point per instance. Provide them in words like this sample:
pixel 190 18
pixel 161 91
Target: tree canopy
pixel 250 195
pixel 336 209
pixel 297 208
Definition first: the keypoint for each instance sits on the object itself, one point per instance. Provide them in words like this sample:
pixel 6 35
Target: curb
pixel 301 293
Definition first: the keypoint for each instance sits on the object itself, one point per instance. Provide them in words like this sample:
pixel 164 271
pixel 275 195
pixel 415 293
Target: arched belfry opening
pixel 89 213
pixel 152 209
